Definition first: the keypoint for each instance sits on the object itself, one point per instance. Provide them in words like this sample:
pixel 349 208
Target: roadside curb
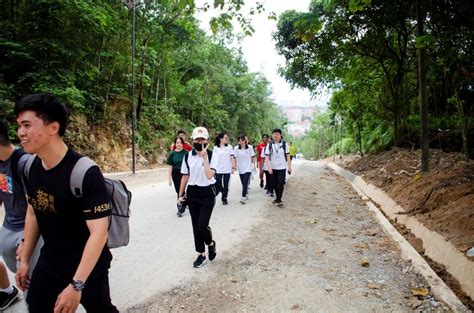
pixel 435 246
pixel 140 173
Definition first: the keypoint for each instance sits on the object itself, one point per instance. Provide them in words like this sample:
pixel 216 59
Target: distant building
pixel 299 118
pixel 295 114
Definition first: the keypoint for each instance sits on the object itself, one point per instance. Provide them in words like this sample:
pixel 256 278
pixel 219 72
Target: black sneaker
pixel 181 210
pixel 199 261
pixel 224 202
pixel 261 183
pixel 212 251
pixel 7 299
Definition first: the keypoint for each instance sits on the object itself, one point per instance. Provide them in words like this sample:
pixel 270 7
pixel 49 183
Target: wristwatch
pixel 78 285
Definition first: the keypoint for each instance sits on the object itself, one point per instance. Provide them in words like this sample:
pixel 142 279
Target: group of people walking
pixel 200 174
pixel 273 163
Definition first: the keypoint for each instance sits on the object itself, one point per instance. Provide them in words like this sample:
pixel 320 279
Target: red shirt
pixel 186 146
pixel 260 148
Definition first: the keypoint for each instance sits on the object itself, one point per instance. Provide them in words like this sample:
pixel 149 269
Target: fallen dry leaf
pixel 295 307
pixel 365 263
pixel 313 221
pixel 371 232
pixel 373 286
pixel 361 245
pixel 420 292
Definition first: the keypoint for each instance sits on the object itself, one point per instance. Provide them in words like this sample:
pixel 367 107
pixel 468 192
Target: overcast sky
pixel 260 53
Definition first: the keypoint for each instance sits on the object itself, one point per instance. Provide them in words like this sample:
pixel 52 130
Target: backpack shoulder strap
pixel 77 175
pixel 25 168
pixel 21 165
pixel 186 157
pixel 209 155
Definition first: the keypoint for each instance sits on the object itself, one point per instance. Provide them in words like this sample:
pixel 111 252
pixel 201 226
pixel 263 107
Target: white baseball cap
pixel 200 132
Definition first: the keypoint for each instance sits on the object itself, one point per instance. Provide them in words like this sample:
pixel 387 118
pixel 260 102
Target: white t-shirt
pixel 262 155
pixel 277 155
pixel 224 166
pixel 197 176
pixel 244 159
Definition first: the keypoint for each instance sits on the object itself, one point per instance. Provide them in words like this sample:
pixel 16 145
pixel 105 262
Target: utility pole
pixel 131 5
pixel 134 118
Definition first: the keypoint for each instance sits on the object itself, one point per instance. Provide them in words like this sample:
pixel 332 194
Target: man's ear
pixel 54 128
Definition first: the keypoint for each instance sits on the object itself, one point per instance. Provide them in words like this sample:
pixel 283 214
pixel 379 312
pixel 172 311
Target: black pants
pixel 279 183
pixel 176 177
pixel 223 184
pixel 245 179
pixel 268 181
pixel 45 288
pixel 201 202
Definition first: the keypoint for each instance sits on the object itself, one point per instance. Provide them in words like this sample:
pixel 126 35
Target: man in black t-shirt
pixel 74 261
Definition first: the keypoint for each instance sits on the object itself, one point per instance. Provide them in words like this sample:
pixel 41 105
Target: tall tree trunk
pixel 165 86
pixel 425 159
pixel 396 128
pixel 462 117
pixel 342 152
pixel 359 128
pixel 157 92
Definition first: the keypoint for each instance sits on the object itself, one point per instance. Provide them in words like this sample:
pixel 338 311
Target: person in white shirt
pixel 268 177
pixel 226 164
pixel 245 157
pixel 198 169
pixel 278 162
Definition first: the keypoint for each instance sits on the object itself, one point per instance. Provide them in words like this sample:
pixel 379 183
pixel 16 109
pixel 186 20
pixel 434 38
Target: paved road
pixel 161 250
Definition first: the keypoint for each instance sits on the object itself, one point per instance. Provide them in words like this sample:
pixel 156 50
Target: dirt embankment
pixel 109 142
pixel 443 199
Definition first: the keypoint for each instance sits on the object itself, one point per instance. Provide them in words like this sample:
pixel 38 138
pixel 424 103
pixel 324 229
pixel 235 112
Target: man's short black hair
pixel 265 135
pixel 4 138
pixel 47 107
pixel 181 132
pixel 276 130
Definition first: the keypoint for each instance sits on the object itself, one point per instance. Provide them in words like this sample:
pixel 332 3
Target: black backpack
pixel 270 150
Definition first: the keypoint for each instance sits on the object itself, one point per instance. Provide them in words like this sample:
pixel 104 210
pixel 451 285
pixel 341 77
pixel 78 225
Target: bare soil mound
pixel 443 199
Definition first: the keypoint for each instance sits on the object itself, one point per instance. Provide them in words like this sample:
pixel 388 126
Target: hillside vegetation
pixel 81 50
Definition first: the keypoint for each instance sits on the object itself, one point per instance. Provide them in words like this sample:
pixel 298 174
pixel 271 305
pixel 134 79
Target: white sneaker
pixel 243 200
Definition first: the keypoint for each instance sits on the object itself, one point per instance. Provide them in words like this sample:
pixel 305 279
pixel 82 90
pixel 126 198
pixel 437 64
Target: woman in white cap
pixel 198 171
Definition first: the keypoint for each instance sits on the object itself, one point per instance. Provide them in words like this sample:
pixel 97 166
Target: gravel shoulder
pixel 322 252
